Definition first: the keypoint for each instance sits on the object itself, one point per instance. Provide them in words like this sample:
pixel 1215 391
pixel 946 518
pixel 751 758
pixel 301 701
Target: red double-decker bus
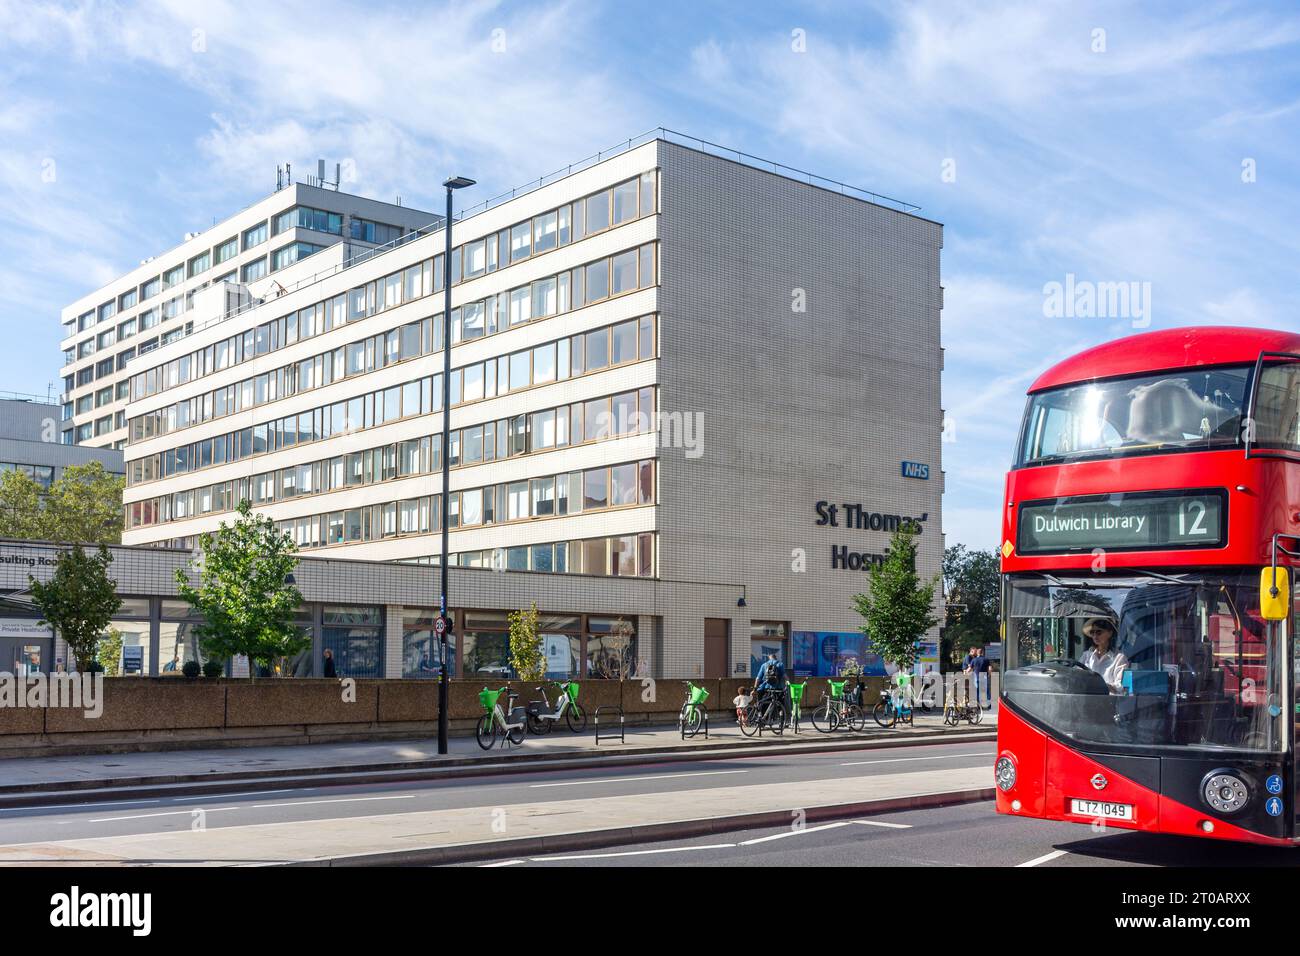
pixel 1148 624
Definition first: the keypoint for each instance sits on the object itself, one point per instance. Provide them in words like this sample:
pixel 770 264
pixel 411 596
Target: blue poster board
pixel 823 653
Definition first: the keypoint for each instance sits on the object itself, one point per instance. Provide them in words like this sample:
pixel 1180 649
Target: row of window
pixel 630 555
pixel 426 278
pixel 42 474
pixel 597 420
pixel 569 493
pixel 596 281
pixel 558 360
pixel 611 416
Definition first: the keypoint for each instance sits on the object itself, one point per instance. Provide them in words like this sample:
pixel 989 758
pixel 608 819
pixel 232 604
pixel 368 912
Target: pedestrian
pixel 980 673
pixel 330 670
pixel 741 703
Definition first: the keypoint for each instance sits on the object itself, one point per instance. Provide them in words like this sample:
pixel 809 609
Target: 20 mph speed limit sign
pixel 440 626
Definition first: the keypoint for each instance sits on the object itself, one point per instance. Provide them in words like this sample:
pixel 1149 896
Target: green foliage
pixel 109 653
pixel 213 668
pixel 526 655
pixel 191 669
pixel 79 600
pixel 971 580
pixel 20 506
pixel 243 592
pixel 897 609
pixel 84 504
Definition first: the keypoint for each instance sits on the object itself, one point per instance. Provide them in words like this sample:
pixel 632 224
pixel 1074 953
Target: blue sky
pixel 1111 142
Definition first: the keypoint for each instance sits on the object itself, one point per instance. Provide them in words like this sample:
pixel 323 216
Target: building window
pixel 227 250
pixel 174 277
pixel 200 263
pixel 292 253
pixel 420 646
pixel 354 636
pixel 252 271
pixel 127 299
pixel 766 637
pixel 611 648
pixel 150 289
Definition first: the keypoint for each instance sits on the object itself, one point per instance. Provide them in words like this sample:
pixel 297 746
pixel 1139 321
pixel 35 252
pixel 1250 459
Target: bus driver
pixel 1101 657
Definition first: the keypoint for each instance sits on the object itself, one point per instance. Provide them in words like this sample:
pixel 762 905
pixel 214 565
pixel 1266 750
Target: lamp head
pixel 458 182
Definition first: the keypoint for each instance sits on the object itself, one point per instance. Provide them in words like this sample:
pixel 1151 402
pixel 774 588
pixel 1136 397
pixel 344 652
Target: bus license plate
pixel 1102 809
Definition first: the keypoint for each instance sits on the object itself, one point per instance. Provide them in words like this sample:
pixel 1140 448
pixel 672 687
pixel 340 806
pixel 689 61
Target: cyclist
pixel 771 681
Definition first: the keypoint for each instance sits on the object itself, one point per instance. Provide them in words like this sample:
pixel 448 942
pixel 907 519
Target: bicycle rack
pixel 704 720
pixel 621 733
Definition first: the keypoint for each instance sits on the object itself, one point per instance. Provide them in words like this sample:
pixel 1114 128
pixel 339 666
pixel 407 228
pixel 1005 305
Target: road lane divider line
pixel 1045 858
pixel 309 803
pixel 863 763
pixel 881 823
pixel 790 833
pixel 163 813
pixel 488 866
pixel 605 856
pixel 647 777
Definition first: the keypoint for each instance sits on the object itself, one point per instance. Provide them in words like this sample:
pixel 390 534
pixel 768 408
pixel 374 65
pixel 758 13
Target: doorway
pixel 717 647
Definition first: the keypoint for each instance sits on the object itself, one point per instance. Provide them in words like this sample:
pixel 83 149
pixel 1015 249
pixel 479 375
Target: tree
pixel 84 504
pixel 526 655
pixel 20 506
pixel 897 608
pixel 109 653
pixel 972 585
pixel 244 593
pixel 78 601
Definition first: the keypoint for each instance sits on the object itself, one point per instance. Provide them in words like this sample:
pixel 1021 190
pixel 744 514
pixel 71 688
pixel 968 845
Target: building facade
pixel 691 399
pixel 29 441
pixel 295 233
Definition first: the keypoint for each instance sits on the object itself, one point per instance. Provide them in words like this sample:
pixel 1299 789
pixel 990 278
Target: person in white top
pixel 1101 657
pixel 741 703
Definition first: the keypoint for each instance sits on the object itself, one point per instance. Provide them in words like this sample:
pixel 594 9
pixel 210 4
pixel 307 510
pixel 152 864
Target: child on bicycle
pixel 741 703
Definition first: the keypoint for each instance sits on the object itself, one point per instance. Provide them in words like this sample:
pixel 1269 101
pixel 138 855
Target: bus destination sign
pixel 1144 521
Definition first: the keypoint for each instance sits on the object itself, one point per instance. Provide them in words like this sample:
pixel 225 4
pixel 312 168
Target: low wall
pixel 160 713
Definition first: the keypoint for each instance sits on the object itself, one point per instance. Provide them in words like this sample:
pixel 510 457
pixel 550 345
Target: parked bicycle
pixel 838 709
pixel 895 705
pixel 542 716
pixel 954 713
pixel 767 711
pixel 507 723
pixel 693 715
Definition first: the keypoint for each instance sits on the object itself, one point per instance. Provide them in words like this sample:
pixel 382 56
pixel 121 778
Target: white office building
pixel 691 397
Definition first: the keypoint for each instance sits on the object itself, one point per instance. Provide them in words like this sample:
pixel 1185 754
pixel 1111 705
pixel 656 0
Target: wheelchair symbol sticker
pixel 1273 784
pixel 1274 806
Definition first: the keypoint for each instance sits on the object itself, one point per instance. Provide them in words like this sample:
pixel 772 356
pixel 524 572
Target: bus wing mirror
pixel 1274 585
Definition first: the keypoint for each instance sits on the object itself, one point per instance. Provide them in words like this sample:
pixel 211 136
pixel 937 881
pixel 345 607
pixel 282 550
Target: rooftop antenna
pixel 279 178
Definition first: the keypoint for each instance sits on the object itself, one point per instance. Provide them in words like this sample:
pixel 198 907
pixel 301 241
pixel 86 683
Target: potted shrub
pixel 191 669
pixel 214 669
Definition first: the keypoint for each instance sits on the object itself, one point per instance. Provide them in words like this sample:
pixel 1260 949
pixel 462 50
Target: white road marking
pixel 863 763
pixel 881 823
pixel 164 813
pixel 657 776
pixel 503 863
pixel 229 796
pixel 603 856
pixel 1045 858
pixel 789 833
pixel 308 803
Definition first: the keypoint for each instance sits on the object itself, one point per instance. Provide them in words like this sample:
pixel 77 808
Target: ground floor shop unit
pixel 376 621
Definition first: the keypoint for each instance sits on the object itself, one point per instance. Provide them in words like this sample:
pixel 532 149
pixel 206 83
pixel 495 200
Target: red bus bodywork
pixel 1263 497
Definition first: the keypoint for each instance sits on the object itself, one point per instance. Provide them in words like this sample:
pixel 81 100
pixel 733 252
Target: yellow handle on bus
pixel 1274 586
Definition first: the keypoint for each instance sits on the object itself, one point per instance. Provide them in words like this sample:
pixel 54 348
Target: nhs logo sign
pixel 915 469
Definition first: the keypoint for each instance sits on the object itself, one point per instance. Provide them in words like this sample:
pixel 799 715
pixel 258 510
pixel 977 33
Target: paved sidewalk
pixel 433 836
pixel 35 774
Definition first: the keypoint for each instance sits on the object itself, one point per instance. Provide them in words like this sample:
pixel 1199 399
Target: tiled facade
pixel 795 334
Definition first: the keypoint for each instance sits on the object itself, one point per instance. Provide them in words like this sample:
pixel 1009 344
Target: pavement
pixel 540 810
pixel 26 781
pixel 958 836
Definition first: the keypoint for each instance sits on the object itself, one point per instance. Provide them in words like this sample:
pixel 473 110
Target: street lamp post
pixel 452 184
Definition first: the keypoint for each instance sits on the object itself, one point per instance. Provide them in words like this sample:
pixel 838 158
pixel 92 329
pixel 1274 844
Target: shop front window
pixel 766 637
pixel 354 636
pixel 611 648
pixel 420 646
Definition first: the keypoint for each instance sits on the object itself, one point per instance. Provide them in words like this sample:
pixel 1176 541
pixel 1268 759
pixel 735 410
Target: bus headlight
pixel 1004 772
pixel 1225 791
